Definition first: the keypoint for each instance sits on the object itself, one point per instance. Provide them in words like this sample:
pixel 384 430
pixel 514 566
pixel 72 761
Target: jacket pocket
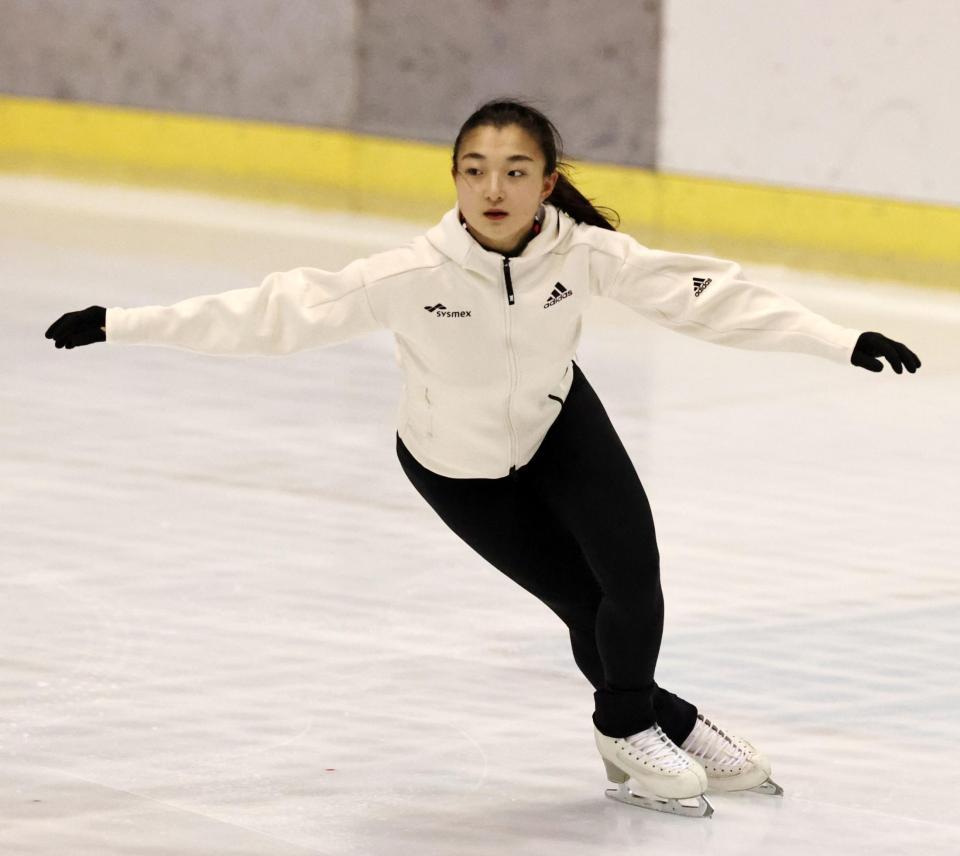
pixel 427 421
pixel 559 385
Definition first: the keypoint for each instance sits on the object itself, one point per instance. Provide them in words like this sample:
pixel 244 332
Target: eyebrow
pixel 479 156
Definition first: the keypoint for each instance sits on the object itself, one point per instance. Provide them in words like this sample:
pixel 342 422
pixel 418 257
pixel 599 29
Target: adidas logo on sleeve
pixel 699 284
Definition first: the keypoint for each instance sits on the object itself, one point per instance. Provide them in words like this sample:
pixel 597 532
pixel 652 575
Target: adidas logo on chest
pixel 559 293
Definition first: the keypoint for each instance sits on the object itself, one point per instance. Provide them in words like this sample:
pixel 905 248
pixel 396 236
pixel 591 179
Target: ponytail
pixel 567 198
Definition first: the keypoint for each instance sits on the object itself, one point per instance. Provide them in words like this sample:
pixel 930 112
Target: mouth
pixel 494 214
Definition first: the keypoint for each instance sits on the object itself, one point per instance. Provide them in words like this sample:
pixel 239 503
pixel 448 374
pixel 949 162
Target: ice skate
pixel 665 778
pixel 731 763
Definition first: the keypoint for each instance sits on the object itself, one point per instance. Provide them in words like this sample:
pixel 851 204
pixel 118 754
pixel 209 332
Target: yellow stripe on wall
pixel 852 235
pixel 333 169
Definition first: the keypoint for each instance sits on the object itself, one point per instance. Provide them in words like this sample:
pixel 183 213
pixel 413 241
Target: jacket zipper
pixel 506 273
pixel 510 302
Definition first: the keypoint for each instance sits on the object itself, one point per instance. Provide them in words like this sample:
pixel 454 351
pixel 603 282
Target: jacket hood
pixel 452 239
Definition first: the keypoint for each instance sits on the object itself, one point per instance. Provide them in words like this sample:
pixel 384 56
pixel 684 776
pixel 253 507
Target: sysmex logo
pixel 441 312
pixel 558 294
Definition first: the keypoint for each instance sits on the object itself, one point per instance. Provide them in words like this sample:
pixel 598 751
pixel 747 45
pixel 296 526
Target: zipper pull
pixel 506 273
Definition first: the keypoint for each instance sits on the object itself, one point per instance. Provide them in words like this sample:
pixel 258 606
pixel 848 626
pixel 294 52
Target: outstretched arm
pixel 290 311
pixel 710 299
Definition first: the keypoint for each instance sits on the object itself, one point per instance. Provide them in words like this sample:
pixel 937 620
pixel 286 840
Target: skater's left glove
pixel 872 345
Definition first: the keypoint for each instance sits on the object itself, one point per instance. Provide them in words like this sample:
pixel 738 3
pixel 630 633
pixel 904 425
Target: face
pixel 500 168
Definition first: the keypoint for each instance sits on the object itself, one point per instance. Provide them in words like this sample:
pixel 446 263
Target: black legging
pixel 574 528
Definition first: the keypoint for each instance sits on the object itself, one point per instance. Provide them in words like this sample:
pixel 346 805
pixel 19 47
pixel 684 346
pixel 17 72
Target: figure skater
pixel 499 429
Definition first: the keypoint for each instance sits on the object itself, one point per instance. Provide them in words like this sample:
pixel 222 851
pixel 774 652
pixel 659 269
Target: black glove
pixel 79 328
pixel 872 345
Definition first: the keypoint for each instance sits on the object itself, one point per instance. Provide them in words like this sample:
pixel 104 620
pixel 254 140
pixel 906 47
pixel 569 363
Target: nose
pixel 493 188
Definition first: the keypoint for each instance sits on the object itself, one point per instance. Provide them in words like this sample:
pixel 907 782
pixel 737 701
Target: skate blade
pixel 768 787
pixel 689 807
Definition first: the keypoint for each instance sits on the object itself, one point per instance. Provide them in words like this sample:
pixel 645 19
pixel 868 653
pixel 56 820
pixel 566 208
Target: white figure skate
pixel 666 779
pixel 731 763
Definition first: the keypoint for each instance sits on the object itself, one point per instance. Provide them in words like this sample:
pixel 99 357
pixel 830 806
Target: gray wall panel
pixel 282 60
pixel 398 68
pixel 591 67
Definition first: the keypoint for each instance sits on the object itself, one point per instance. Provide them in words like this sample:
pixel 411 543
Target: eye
pixel 473 170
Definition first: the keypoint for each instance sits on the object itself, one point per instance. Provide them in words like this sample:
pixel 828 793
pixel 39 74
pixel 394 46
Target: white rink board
pixel 851 96
pixel 228 624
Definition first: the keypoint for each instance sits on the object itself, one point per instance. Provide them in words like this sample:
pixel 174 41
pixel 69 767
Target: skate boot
pixel 666 779
pixel 731 763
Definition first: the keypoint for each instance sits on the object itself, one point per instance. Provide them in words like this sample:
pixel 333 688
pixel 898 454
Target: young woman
pixel 499 429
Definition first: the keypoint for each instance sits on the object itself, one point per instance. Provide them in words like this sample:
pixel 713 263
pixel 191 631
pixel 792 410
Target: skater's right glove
pixel 79 328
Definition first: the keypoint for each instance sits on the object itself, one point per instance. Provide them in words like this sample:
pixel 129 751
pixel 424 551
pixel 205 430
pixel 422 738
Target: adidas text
pixel 558 294
pixel 699 284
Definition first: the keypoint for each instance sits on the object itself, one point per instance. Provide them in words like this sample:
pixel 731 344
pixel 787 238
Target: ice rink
pixel 229 624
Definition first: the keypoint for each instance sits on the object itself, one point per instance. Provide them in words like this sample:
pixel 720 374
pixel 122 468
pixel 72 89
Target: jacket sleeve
pixel 710 299
pixel 290 311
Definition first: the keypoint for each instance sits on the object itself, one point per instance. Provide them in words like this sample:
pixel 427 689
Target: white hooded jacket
pixel 485 341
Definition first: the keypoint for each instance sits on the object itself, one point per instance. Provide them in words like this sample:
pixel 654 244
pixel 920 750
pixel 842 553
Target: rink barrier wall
pixel 337 170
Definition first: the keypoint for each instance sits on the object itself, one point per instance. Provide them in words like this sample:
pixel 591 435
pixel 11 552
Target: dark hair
pixel 512 111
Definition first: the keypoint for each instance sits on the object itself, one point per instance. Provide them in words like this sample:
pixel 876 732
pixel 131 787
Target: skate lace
pixel 659 749
pixel 710 743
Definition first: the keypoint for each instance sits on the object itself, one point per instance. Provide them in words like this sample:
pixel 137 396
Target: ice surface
pixel 229 625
